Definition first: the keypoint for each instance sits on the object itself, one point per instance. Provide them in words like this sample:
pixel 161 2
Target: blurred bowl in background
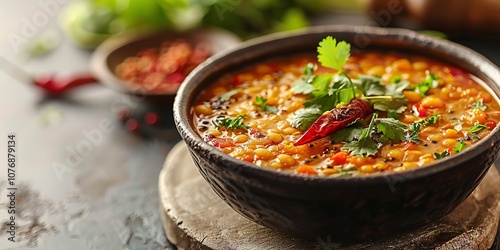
pixel 457 17
pixel 116 50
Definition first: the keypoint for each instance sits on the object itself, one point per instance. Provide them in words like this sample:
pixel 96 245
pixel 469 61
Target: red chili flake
pixel 132 125
pixel 151 118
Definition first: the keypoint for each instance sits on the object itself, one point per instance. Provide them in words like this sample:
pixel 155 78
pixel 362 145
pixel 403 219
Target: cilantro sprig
pixel 365 146
pixel 414 128
pixel 226 96
pixel 479 105
pixel 365 141
pixel 303 86
pixel 392 130
pixel 461 146
pixel 261 103
pixel 395 79
pixel 329 91
pixel 230 123
pixel 305 117
pixel 475 129
pixel 441 155
pixel 431 81
pixel 348 134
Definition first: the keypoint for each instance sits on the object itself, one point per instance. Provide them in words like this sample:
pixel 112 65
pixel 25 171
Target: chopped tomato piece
pixel 248 158
pixel 486 97
pixel 450 150
pixel 420 111
pixel 340 158
pixel 410 146
pixel 447 126
pixel 490 124
pixel 306 169
pixel 237 80
pixel 220 142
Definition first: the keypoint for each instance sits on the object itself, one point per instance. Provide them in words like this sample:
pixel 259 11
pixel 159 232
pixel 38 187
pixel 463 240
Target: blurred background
pixel 108 198
pixel 87 23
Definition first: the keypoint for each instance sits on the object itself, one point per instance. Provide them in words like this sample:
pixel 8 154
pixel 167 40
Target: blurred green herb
pixel 479 105
pixel 230 123
pixel 261 103
pixel 461 146
pixel 441 155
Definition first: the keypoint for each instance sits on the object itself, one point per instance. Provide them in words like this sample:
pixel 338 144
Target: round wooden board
pixel 194 217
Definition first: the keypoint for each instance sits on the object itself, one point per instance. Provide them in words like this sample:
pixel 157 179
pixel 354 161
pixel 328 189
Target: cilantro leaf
pixel 305 117
pixel 262 105
pixel 300 87
pixel 423 87
pixel 370 85
pixel 477 127
pixel 270 109
pixel 347 134
pixel 323 103
pixel 442 155
pixel 396 90
pixel 396 101
pixel 433 119
pixel 365 146
pixel 345 96
pixel 322 85
pixel 341 90
pixel 236 123
pixel 391 113
pixel 392 130
pixel 395 79
pixel 224 97
pixel 332 54
pixel 461 146
pixel 394 105
pixel 261 102
pixel 479 105
pixel 429 82
pixel 304 86
pixel 308 70
pixel 413 130
pixel 324 96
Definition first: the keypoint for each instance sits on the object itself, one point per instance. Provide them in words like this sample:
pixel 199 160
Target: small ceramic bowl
pixel 346 208
pixel 116 49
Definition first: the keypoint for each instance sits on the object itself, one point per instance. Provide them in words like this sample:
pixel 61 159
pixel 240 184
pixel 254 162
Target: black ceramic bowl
pixel 351 207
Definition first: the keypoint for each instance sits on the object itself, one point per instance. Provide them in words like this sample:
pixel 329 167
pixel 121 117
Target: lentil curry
pixel 354 114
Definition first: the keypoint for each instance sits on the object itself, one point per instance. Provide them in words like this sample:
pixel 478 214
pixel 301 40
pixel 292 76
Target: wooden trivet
pixel 194 217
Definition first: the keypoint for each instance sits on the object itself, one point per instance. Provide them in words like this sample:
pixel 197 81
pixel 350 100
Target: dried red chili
pixel 334 120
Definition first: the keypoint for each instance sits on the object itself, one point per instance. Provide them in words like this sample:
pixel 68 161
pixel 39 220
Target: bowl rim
pixel 190 136
pixel 99 59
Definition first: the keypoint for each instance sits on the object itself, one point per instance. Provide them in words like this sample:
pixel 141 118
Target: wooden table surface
pixel 106 198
